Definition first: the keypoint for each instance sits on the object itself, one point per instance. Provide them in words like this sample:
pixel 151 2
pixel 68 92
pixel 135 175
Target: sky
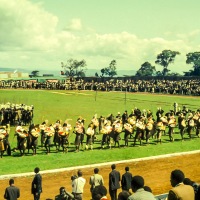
pixel 40 34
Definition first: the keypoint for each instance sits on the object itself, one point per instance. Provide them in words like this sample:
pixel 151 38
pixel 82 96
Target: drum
pixel 109 129
pixel 140 126
pixel 132 121
pixel 118 129
pixel 191 122
pixel 172 123
pixel 159 125
pixel 35 133
pixel 149 126
pixel 103 131
pixel 183 123
pixel 90 131
pixel 22 135
pixel 128 127
pixel 79 130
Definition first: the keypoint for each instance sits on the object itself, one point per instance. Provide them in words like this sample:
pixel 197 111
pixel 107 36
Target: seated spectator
pixel 64 195
pixel 147 188
pixel 99 193
pixel 123 195
pixel 196 187
pixel 179 190
pixel 137 185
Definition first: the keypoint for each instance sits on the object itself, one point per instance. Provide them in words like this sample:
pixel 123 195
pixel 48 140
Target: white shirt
pixel 78 185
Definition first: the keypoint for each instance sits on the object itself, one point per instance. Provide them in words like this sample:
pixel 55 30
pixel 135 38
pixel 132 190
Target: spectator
pixel 137 185
pixel 78 184
pixel 123 195
pixel 126 180
pixel 195 186
pixel 12 192
pixel 99 193
pixel 36 187
pixel 114 182
pixel 96 179
pixel 179 190
pixel 64 195
pixel 147 188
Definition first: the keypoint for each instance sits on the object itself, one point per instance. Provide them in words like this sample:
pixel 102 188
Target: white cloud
pixel 74 25
pixel 29 36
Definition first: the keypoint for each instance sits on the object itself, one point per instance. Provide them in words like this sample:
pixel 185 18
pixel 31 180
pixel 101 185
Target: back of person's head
pixel 113 166
pixel 147 188
pixel 123 195
pixel 96 170
pixel 36 170
pixel 187 181
pixel 11 181
pixel 79 173
pixel 137 183
pixel 177 176
pixel 126 169
pixel 98 192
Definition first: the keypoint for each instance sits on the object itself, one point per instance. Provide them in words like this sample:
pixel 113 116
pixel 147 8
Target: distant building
pixel 13 75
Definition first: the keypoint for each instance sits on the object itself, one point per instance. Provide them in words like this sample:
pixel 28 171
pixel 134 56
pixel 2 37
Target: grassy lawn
pixel 62 105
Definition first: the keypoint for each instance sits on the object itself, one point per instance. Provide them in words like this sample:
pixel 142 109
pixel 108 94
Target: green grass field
pixel 62 105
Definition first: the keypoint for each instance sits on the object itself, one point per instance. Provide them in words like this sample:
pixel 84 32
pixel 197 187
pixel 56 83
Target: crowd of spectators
pixel 182 188
pixel 178 87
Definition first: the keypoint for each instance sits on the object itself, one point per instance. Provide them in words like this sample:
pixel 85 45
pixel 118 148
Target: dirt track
pixel 156 173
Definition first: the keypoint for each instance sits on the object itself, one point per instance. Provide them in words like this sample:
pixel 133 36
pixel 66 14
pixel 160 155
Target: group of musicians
pixel 138 125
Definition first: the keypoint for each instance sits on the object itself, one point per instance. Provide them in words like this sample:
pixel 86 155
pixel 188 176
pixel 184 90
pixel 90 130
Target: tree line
pixel 77 68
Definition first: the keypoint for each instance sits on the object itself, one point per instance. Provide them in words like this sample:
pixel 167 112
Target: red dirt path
pixel 156 173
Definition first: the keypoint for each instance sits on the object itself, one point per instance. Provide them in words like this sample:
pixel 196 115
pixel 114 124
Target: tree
pixel 193 58
pixel 146 69
pixel 111 70
pixel 74 68
pixel 165 58
pixel 34 73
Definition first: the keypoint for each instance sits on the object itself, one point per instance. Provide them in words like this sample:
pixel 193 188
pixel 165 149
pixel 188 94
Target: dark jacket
pixel 12 193
pixel 126 181
pixel 114 180
pixel 37 184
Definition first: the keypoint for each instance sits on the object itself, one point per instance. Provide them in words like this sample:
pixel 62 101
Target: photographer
pixel 64 195
pixel 78 186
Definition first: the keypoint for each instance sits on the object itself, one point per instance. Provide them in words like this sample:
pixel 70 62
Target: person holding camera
pixel 78 184
pixel 64 195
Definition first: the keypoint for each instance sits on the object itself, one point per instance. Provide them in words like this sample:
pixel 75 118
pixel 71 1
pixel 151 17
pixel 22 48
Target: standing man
pixel 36 188
pixel 78 186
pixel 96 179
pixel 126 180
pixel 179 190
pixel 12 192
pixel 114 182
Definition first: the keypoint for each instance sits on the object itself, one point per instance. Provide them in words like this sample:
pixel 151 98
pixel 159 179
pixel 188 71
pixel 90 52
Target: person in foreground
pixel 12 192
pixel 179 190
pixel 36 188
pixel 64 195
pixel 99 193
pixel 137 185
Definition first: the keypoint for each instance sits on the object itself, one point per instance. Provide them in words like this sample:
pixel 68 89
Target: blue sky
pixel 40 34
